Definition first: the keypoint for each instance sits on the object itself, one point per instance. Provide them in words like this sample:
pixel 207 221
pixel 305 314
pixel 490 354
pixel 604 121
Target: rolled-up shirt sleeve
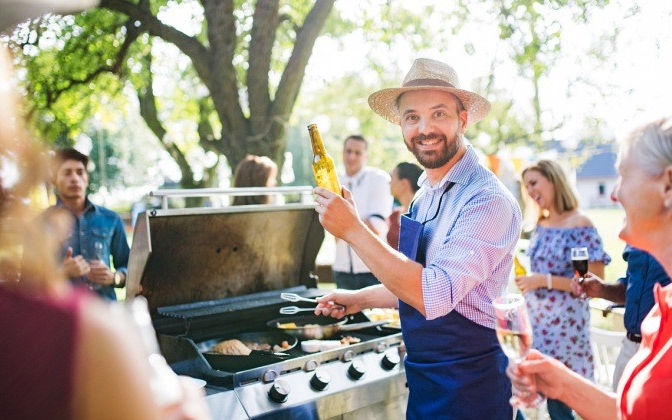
pixel 477 245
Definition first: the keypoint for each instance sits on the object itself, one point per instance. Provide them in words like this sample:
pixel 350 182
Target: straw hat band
pixel 428 82
pixel 426 74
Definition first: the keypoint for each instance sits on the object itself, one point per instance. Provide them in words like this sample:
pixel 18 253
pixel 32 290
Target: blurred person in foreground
pixel 645 191
pixel 63 353
pixel 560 322
pixel 97 237
pixel 635 290
pixel 455 252
pixel 370 188
pixel 254 171
pixel 403 186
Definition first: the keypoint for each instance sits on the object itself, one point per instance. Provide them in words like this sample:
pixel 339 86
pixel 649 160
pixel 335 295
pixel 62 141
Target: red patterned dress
pixel 561 323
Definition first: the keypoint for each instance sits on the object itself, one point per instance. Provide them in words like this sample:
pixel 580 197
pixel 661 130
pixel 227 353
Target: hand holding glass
pixel 580 264
pixel 95 254
pixel 515 336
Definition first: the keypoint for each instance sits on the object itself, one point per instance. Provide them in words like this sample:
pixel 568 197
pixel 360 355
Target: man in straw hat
pixel 456 246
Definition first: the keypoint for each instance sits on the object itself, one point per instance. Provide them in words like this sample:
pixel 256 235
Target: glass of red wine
pixel 580 264
pixel 514 333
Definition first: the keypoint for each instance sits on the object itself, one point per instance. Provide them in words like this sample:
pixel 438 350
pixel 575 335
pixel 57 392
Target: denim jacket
pixel 642 274
pixel 96 224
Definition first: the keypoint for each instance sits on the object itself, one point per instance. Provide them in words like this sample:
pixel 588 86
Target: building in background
pixel 596 178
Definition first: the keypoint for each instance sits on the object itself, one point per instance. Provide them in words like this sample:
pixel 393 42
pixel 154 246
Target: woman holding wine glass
pixel 645 191
pixel 560 322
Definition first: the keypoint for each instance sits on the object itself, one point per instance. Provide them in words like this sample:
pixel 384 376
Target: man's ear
pixel 464 117
pixel 667 186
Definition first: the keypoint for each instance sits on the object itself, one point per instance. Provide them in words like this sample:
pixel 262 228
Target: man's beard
pixel 435 158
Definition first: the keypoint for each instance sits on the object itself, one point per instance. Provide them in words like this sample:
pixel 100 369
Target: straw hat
pixel 17 11
pixel 429 74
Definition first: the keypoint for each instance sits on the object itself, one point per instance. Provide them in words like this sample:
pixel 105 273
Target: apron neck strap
pixel 410 213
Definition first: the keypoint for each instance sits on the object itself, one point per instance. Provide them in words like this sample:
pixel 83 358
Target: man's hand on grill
pixel 333 303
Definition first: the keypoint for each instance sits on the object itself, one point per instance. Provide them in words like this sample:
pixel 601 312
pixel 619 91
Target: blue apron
pixel 454 367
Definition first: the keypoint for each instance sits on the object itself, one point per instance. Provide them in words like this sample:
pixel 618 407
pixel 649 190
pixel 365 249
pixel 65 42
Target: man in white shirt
pixel 371 192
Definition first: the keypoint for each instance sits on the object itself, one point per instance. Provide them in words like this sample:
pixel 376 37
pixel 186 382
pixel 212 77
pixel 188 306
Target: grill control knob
pixel 311 365
pixel 357 369
pixel 279 391
pixel 320 380
pixel 380 348
pixel 390 360
pixel 348 356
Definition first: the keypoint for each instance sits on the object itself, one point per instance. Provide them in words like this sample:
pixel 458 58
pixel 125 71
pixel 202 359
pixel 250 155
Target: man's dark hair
pixel 410 171
pixel 357 137
pixel 69 153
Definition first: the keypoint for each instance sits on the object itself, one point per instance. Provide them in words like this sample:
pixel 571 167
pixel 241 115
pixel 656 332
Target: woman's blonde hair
pixel 28 250
pixel 564 198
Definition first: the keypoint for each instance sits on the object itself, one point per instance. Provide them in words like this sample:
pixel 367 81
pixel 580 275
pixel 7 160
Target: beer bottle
pixel 519 269
pixel 323 165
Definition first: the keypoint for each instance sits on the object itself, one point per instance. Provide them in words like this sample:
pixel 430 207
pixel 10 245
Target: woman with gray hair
pixel 645 191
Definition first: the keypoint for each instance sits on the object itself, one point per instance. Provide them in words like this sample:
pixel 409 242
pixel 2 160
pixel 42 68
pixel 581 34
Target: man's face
pixel 395 183
pixel 432 126
pixel 71 180
pixel 354 156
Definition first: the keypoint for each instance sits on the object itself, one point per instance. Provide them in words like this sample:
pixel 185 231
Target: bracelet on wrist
pixel 549 281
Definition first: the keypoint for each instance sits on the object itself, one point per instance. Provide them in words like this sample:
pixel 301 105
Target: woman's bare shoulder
pixel 578 219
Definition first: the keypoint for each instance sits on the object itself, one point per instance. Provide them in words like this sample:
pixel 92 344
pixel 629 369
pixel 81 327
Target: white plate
pixel 199 383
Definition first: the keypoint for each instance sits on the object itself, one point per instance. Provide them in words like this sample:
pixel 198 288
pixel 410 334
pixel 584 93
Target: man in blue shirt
pixel 636 291
pixel 455 252
pixel 97 233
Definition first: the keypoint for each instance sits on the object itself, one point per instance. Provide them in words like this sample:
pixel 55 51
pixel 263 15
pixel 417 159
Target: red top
pixel 647 378
pixel 394 224
pixel 38 339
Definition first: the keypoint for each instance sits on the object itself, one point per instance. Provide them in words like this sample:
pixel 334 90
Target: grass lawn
pixel 608 223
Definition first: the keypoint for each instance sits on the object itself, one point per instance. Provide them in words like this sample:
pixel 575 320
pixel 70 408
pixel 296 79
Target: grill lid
pixel 202 254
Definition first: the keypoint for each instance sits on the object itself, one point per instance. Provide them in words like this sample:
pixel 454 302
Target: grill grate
pixel 225 305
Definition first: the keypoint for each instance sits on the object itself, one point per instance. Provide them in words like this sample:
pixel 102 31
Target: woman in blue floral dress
pixel 560 322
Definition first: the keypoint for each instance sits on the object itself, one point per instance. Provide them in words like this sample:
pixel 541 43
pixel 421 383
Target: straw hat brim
pixel 17 11
pixel 384 102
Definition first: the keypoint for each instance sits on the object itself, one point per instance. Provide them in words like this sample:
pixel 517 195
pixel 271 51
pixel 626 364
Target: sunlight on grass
pixel 609 223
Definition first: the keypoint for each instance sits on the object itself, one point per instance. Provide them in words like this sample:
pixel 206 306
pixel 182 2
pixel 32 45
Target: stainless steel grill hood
pixel 204 254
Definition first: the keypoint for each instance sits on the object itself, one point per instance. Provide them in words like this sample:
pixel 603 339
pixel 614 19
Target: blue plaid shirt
pixel 100 224
pixel 469 246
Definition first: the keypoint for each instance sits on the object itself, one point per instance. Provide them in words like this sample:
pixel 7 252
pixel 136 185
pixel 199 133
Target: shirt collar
pixel 459 174
pixel 356 177
pixel 88 205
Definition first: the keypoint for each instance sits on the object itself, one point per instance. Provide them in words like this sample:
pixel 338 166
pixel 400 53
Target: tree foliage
pixel 239 66
pixel 224 76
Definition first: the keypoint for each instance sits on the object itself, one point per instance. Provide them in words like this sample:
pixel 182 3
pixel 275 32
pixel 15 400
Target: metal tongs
pixel 293 297
pixel 291 310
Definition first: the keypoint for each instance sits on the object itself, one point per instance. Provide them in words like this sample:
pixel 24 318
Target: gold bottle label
pixel 324 168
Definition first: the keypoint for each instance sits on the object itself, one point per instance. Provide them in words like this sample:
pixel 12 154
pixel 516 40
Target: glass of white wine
pixel 514 333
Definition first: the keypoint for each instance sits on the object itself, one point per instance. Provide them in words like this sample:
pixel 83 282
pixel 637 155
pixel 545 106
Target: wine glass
pixel 580 264
pixel 96 253
pixel 514 333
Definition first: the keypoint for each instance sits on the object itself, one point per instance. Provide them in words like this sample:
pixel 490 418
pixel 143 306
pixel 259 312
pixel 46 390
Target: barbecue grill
pixel 215 273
